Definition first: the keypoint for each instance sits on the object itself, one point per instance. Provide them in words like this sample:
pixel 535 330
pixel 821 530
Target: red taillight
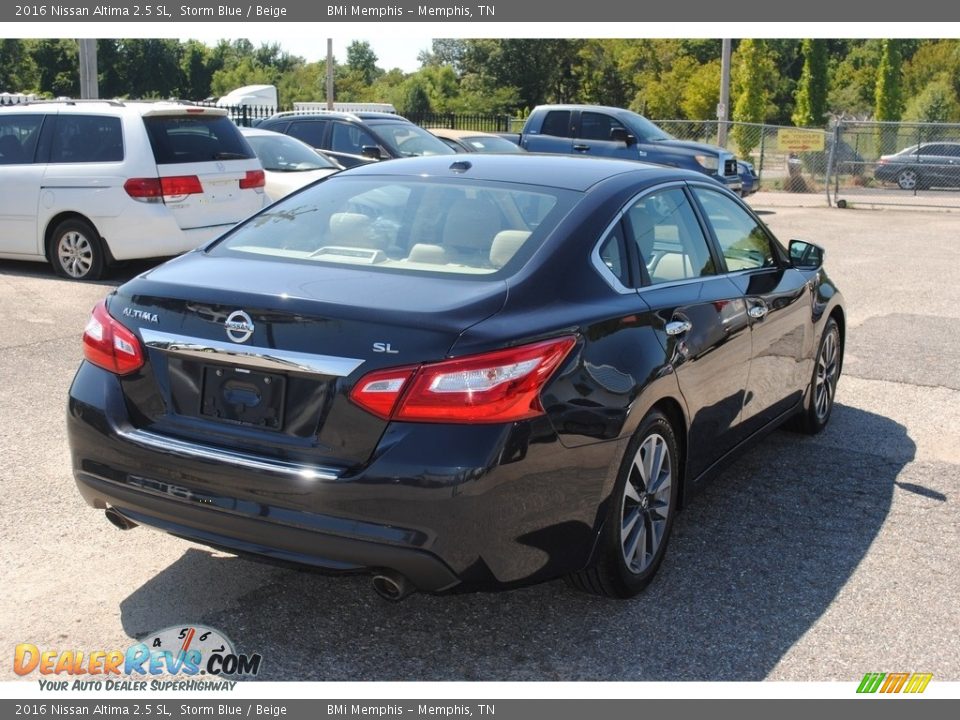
pixel 108 344
pixel 494 387
pixel 253 179
pixel 172 188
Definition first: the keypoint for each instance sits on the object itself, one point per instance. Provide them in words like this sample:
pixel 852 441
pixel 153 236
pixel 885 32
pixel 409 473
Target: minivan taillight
pixel 495 387
pixel 108 344
pixel 167 189
pixel 253 179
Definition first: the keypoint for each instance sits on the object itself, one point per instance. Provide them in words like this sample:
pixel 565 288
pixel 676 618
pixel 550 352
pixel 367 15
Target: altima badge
pixel 239 326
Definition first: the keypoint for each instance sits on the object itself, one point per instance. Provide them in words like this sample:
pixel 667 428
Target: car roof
pixel 121 107
pixel 339 114
pixel 560 171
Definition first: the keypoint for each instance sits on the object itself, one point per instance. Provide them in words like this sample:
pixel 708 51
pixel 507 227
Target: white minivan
pixel 85 183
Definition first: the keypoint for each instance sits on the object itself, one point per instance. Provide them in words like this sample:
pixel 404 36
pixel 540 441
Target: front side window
pixel 664 228
pixel 403 225
pixel 18 138
pixel 351 139
pixel 86 138
pixel 598 126
pixel 743 241
pixel 409 140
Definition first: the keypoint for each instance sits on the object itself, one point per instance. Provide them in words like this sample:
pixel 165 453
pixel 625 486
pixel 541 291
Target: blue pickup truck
pixel 614 132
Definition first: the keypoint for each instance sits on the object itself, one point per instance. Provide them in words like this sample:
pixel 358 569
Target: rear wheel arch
pixel 75 248
pixel 838 316
pixel 60 217
pixel 673 411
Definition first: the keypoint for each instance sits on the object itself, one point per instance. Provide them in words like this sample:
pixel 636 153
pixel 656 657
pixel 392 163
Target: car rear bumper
pixel 446 506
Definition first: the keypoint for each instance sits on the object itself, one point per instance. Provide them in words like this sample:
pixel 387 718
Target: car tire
pixel 640 514
pixel 76 250
pixel 908 179
pixel 823 384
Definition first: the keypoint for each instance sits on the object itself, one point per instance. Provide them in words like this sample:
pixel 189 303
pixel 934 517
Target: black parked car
pixel 455 373
pixel 358 138
pixel 932 164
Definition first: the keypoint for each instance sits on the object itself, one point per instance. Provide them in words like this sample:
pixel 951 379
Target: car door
pixel 554 135
pixel 778 301
pixel 593 135
pixel 703 317
pixel 21 177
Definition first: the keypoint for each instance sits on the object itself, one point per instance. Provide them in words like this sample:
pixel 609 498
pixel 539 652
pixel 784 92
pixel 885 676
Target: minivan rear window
pixel 195 138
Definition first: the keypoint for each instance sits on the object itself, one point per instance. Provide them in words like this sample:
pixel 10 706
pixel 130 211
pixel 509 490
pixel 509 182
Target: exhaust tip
pixel 118 520
pixel 392 586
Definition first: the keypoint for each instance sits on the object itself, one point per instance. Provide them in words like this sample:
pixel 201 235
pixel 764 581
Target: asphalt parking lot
pixel 809 559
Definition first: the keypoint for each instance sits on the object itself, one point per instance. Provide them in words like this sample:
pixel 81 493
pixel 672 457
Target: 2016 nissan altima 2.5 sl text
pixel 455 373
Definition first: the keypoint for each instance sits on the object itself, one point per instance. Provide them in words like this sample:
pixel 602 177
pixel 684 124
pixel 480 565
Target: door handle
pixel 678 327
pixel 757 311
pixel 582 148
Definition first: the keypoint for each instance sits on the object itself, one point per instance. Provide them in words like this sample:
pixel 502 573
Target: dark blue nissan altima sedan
pixel 455 373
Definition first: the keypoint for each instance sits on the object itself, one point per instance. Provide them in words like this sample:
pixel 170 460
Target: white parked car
pixel 84 183
pixel 289 163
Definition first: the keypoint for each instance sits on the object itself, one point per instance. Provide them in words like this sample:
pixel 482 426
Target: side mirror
pixel 805 255
pixel 621 135
pixel 372 152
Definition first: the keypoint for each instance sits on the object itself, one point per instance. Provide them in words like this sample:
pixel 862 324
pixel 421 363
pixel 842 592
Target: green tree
pixel 937 103
pixel 362 61
pixel 811 98
pixel 701 93
pixel 889 97
pixel 57 72
pixel 18 71
pixel 416 101
pixel 752 71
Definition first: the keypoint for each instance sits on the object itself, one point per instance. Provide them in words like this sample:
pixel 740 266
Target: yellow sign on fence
pixel 790 140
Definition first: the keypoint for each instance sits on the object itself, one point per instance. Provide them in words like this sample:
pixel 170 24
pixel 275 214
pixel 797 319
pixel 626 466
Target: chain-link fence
pixel 785 159
pixel 896 164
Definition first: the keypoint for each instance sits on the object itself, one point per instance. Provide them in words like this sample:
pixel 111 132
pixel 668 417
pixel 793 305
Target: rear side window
pixel 309 131
pixel 665 230
pixel 195 138
pixel 556 123
pixel 86 138
pixel 18 138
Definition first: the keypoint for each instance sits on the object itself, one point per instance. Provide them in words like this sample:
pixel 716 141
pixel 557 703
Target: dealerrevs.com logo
pixel 888 683
pixel 191 650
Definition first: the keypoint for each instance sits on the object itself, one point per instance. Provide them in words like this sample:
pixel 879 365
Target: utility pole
pixel 723 108
pixel 88 69
pixel 329 73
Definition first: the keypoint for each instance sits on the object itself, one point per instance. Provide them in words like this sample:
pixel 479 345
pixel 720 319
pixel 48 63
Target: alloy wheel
pixel 646 503
pixel 826 376
pixel 75 253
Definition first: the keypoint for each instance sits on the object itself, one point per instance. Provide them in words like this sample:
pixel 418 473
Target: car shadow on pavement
pixel 755 560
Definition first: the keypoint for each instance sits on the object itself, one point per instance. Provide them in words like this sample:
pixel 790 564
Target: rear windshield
pixel 195 138
pixel 406 225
